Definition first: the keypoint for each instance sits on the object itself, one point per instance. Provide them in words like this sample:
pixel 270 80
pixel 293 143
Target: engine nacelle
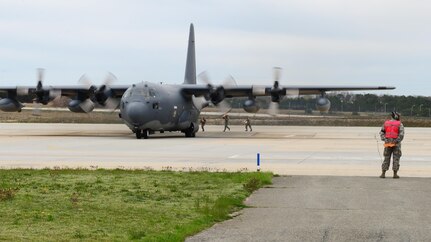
pixel 78 106
pixel 102 95
pixel 10 105
pixel 250 106
pixel 323 104
pixel 217 95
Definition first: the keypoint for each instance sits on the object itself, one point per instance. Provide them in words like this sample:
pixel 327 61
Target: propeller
pixel 273 108
pixel 217 93
pixel 39 91
pixel 102 95
pixel 228 82
pixel 43 95
pixel 278 93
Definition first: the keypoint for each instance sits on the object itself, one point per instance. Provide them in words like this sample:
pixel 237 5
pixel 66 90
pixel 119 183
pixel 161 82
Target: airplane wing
pixel 72 91
pixel 68 91
pixel 301 90
pixel 216 94
pixel 260 90
pixel 85 98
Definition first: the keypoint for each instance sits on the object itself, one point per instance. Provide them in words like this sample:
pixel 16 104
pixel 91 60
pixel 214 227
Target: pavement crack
pixel 306 158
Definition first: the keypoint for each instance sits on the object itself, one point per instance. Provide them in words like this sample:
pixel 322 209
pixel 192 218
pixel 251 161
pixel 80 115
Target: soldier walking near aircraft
pixel 247 124
pixel 226 122
pixel 392 133
pixel 203 122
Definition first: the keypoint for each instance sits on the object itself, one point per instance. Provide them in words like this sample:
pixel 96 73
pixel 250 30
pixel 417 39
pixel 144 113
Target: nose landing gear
pixel 190 132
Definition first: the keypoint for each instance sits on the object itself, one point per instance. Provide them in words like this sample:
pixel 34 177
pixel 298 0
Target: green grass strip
pixel 118 205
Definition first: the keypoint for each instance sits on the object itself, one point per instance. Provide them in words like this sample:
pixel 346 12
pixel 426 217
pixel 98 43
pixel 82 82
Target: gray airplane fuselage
pixel 153 107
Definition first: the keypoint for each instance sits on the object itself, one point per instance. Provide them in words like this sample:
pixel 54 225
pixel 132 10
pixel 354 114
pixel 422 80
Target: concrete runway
pixel 353 205
pixel 331 208
pixel 285 150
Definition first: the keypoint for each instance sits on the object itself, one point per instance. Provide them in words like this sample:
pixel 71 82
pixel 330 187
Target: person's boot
pixel 383 174
pixel 396 175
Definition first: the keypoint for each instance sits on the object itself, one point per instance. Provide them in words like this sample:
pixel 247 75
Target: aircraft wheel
pixel 138 133
pixel 190 132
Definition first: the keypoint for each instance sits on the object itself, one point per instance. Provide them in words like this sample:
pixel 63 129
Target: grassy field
pixel 118 205
pixel 338 119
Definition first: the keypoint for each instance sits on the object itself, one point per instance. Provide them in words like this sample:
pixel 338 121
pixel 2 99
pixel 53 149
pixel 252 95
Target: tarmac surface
pixel 284 150
pixel 329 190
pixel 331 208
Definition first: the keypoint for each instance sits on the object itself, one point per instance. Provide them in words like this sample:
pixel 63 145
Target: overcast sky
pixel 330 42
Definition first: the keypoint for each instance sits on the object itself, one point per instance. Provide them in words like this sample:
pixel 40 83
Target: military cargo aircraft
pixel 148 107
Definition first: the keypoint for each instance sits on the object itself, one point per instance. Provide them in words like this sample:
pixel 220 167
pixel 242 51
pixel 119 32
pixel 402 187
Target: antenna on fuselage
pixel 190 76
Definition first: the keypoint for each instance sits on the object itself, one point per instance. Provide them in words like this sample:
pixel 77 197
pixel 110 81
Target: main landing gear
pixel 141 133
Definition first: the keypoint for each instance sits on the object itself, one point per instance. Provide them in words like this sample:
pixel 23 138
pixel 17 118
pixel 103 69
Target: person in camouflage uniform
pixel 247 124
pixel 226 122
pixel 392 133
pixel 203 121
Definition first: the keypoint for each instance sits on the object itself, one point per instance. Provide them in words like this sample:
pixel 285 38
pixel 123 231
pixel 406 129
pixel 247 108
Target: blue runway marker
pixel 258 161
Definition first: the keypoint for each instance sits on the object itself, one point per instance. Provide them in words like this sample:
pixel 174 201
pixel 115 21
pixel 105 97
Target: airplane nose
pixel 136 112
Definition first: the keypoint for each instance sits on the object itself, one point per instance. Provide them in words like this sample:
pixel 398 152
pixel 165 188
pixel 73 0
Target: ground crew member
pixel 247 124
pixel 392 133
pixel 203 122
pixel 226 122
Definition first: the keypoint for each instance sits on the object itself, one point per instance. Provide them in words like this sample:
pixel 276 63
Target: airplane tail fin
pixel 190 76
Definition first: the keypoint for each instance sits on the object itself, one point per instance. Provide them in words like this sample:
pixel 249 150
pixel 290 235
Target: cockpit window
pixel 142 91
pixel 128 92
pixel 152 92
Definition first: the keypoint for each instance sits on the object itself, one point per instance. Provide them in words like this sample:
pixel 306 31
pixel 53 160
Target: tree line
pixel 355 103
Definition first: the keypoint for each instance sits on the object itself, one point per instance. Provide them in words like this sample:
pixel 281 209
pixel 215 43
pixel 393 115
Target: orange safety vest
pixel 392 129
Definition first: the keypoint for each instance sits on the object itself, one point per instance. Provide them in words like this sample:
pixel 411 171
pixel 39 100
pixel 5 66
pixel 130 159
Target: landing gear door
pixel 186 118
